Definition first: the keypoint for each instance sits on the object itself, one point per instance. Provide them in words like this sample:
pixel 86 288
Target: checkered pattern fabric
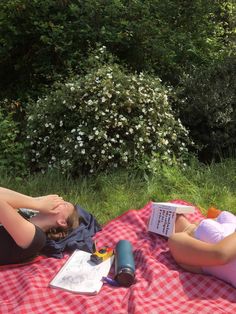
pixel 161 286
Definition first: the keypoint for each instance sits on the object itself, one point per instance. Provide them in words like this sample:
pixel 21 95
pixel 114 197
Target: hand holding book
pixel 162 220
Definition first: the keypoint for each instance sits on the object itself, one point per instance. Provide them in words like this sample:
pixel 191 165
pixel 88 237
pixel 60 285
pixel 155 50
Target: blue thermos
pixel 124 263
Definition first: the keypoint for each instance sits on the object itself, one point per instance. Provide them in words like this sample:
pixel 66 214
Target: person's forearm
pixel 21 230
pixel 16 199
pixel 46 204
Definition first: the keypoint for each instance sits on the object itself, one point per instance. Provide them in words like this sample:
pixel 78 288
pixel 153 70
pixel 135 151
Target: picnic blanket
pixel 161 285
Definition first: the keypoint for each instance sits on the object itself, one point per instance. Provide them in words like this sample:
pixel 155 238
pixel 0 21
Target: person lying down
pixel 208 247
pixel 22 239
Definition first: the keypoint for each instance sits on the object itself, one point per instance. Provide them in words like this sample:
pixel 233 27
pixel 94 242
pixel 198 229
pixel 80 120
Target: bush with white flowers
pixel 105 119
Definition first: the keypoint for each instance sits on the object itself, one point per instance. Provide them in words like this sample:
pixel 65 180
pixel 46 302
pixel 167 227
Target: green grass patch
pixel 109 195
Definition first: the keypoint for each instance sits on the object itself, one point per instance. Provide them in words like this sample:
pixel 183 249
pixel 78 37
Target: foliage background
pixel 189 45
pixel 41 40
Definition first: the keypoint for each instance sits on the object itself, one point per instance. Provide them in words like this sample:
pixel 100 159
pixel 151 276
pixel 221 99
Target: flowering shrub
pixel 107 118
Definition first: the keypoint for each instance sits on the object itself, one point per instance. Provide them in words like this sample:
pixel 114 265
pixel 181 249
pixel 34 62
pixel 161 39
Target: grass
pixel 109 195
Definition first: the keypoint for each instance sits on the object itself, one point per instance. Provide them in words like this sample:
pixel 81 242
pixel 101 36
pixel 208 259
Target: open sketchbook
pixel 80 275
pixel 162 220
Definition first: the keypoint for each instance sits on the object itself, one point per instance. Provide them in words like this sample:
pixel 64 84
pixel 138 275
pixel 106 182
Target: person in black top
pixel 22 239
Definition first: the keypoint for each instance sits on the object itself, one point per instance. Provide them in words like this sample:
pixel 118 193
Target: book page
pixel 162 220
pixel 80 275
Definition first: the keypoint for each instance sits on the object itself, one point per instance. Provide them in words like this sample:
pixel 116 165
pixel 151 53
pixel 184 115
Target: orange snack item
pixel 213 212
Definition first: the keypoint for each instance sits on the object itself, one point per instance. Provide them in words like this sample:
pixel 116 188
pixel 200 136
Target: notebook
pixel 80 275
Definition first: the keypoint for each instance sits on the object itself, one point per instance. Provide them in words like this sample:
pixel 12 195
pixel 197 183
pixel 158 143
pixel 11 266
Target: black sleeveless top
pixel 11 253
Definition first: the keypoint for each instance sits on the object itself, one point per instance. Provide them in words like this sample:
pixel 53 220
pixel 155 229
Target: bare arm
pixel 21 230
pixel 189 251
pixel 43 204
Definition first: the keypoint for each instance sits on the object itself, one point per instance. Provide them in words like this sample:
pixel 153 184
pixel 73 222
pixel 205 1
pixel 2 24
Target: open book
pixel 162 220
pixel 80 275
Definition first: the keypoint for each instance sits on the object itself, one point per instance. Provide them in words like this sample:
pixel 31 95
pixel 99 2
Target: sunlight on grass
pixel 109 195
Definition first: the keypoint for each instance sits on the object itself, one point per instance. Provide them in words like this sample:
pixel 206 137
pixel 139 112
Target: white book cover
pixel 80 275
pixel 163 215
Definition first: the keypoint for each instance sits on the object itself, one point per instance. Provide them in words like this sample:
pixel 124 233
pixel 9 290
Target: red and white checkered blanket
pixel 161 286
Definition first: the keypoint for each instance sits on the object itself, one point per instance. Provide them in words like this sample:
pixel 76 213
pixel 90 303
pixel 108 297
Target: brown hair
pixel 59 233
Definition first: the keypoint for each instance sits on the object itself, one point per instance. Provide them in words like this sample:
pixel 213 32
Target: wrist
pixel 36 203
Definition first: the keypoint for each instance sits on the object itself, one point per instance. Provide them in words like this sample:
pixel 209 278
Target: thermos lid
pixel 125 277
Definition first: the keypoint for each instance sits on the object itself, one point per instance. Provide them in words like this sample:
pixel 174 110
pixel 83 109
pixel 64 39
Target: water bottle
pixel 124 263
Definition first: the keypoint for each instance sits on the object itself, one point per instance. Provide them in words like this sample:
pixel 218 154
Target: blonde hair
pixel 59 233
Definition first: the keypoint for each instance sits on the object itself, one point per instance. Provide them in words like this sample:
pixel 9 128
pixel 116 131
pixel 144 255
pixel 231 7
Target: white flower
pixel 103 99
pixel 164 141
pixel 82 151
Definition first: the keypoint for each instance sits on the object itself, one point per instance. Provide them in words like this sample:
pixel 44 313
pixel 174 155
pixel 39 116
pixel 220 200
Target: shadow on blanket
pixel 161 286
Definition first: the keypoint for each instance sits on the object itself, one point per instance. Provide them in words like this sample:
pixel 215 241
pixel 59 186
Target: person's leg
pixel 182 224
pixel 183 229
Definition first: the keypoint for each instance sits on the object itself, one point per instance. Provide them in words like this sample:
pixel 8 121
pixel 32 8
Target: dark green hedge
pixel 208 109
pixel 40 41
